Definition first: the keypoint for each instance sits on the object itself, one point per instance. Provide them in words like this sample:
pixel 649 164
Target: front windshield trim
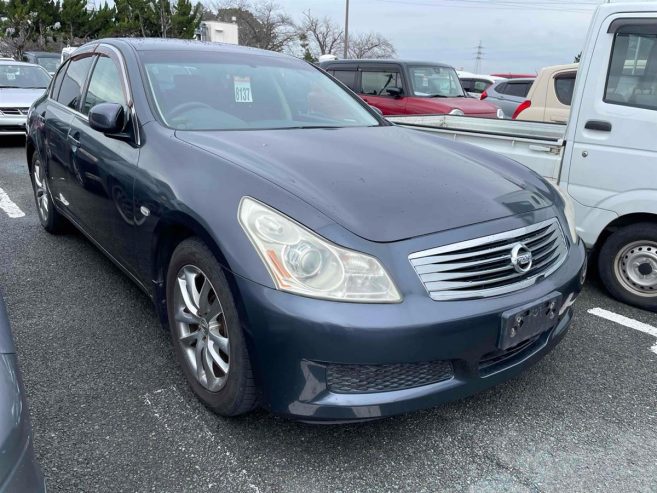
pixel 453 75
pixel 159 114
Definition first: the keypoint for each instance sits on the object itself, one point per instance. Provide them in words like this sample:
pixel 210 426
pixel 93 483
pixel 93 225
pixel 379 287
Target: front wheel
pixel 628 265
pixel 51 220
pixel 206 331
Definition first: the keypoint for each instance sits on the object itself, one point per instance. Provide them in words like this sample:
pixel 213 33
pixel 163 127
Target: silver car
pixel 19 470
pixel 20 85
pixel 508 94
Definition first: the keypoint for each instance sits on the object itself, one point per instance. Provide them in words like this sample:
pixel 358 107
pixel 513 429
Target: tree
pixel 74 18
pixel 19 27
pixel 370 45
pixel 578 57
pixel 185 19
pixel 324 36
pixel 101 21
pixel 261 24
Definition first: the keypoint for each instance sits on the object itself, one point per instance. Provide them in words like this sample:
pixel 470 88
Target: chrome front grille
pixel 483 267
pixel 13 111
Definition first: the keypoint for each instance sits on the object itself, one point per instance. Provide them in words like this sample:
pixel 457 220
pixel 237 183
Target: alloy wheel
pixel 635 267
pixel 40 191
pixel 201 328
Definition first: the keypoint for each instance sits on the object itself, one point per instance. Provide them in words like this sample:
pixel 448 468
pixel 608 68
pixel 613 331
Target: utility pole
pixel 479 56
pixel 346 31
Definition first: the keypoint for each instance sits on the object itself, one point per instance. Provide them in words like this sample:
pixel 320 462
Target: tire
pixel 628 265
pixel 51 220
pixel 205 329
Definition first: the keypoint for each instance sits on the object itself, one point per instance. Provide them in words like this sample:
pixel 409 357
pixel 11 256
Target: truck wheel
pixel 206 331
pixel 628 265
pixel 51 220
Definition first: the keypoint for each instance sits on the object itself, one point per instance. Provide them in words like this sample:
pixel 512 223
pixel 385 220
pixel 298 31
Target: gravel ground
pixel 112 412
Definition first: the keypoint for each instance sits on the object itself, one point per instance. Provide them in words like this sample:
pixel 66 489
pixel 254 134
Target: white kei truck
pixel 605 157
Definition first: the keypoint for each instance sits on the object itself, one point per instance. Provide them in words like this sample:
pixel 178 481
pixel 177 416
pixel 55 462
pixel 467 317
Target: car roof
pixel 170 44
pixel 42 53
pixel 16 62
pixel 381 61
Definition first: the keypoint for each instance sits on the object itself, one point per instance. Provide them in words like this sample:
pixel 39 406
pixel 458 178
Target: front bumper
pixel 13 125
pixel 294 340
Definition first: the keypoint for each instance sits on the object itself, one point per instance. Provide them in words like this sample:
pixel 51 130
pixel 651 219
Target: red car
pixel 409 88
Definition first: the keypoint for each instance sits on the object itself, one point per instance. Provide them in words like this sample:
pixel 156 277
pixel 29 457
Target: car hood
pixel 18 98
pixel 381 183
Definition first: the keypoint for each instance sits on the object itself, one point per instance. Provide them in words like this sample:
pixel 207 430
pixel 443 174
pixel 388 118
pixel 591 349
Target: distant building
pixel 218 32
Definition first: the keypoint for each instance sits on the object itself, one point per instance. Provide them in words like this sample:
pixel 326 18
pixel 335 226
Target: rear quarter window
pixel 563 87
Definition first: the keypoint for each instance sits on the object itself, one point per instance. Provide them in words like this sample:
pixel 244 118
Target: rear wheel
pixel 51 220
pixel 206 331
pixel 628 265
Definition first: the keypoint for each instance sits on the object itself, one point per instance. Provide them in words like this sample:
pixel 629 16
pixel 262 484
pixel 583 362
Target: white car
pixel 475 84
pixel 20 85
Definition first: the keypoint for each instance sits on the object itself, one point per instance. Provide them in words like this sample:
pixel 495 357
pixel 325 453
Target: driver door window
pixel 376 83
pixel 105 85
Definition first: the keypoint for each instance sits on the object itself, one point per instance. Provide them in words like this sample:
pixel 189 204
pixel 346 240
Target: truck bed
pixel 536 145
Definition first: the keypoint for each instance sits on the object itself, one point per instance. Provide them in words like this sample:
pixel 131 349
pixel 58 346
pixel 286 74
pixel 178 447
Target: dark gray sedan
pixel 19 471
pixel 508 94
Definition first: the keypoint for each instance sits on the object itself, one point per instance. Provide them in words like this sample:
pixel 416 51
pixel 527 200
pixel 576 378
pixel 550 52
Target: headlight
pixel 568 210
pixel 304 263
pixel 457 112
pixel 500 113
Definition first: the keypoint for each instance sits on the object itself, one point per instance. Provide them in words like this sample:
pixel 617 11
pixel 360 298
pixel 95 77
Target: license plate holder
pixel 524 322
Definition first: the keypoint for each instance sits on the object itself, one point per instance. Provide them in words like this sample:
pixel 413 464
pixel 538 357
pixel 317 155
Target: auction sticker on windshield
pixel 243 90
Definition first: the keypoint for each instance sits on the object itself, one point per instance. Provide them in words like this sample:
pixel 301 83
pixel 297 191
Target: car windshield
pixel 221 91
pixel 48 62
pixel 436 81
pixel 23 77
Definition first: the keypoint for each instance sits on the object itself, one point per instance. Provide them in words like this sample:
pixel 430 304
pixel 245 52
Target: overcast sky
pixel 517 35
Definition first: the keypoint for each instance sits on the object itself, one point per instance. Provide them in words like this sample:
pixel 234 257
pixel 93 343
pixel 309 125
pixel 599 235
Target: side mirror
pixel 394 91
pixel 108 118
pixel 377 110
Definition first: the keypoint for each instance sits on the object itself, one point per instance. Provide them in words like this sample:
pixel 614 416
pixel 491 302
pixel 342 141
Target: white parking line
pixel 627 322
pixel 7 205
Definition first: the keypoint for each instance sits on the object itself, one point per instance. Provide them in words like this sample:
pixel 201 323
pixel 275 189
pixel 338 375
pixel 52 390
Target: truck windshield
pixel 222 91
pixel 436 81
pixel 23 77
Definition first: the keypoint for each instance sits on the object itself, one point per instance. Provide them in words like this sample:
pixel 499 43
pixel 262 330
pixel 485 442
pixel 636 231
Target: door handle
pixel 74 139
pixel 599 125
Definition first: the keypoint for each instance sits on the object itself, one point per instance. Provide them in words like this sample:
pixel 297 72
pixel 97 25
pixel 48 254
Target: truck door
pixel 615 149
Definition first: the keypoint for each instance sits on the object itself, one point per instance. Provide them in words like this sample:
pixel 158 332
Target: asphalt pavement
pixel 112 412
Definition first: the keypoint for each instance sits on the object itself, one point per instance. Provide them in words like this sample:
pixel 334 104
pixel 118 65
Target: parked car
pixel 19 470
pixel 512 75
pixel 550 96
pixel 304 253
pixel 49 61
pixel 605 157
pixel 508 94
pixel 475 84
pixel 20 85
pixel 399 87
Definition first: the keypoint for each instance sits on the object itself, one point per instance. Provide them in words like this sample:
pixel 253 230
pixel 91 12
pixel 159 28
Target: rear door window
pixel 563 86
pixel 347 77
pixel 632 76
pixel 73 81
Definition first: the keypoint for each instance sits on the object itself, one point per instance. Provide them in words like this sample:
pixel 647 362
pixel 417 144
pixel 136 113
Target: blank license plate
pixel 527 321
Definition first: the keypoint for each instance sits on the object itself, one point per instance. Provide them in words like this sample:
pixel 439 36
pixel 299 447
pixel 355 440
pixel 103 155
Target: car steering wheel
pixel 181 108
